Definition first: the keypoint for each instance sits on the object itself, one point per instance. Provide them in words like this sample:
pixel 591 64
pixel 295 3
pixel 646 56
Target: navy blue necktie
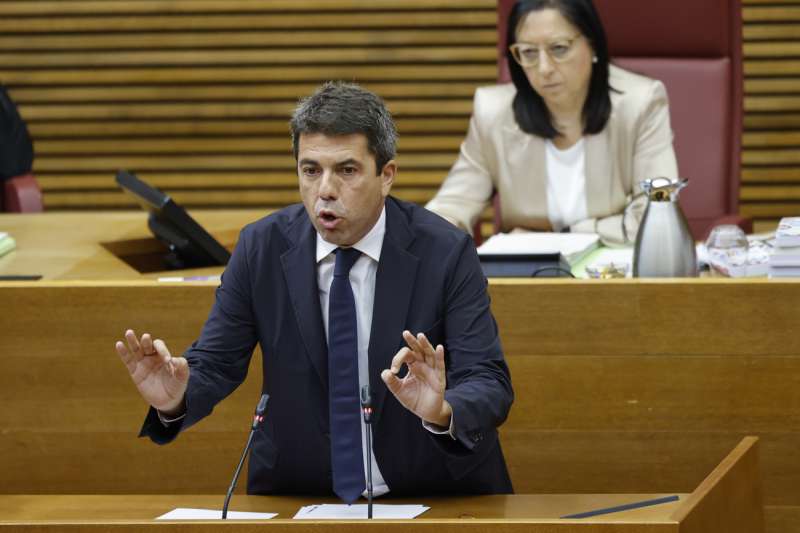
pixel 347 458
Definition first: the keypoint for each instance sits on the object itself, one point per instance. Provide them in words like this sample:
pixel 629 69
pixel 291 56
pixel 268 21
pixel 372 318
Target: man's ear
pixel 388 173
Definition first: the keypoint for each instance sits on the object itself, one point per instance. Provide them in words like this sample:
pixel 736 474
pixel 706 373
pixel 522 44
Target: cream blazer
pixel 497 155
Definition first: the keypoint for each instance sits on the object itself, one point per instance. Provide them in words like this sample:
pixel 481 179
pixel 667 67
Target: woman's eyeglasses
pixel 528 55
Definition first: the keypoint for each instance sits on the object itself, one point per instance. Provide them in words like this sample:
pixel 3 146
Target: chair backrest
pixel 695 48
pixel 22 194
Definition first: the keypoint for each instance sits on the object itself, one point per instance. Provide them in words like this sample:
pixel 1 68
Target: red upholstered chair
pixel 22 195
pixel 695 48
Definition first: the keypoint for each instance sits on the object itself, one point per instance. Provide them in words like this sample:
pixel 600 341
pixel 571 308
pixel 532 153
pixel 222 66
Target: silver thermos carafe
pixel 664 245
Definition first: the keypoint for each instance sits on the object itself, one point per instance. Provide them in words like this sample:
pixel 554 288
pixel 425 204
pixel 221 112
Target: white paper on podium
pixel 184 513
pixel 359 511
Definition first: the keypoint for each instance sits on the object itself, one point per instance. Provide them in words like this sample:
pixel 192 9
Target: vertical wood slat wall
pixel 770 186
pixel 194 95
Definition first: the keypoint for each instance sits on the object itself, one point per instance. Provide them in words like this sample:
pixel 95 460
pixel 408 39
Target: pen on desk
pixel 20 277
pixel 625 507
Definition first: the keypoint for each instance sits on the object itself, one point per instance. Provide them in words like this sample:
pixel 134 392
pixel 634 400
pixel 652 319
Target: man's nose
pixel 328 187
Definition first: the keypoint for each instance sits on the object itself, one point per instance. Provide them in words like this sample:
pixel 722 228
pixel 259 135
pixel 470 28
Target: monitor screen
pixel 189 244
pixel 525 265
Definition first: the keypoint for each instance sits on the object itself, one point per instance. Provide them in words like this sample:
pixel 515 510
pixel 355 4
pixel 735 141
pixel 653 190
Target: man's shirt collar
pixel 370 245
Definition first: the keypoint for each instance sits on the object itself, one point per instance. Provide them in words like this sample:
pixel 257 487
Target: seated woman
pixel 567 144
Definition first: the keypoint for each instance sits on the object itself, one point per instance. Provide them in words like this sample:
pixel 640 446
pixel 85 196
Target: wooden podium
pixel 728 500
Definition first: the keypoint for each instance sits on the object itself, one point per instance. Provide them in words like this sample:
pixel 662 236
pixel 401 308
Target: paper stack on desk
pixel 7 243
pixel 572 246
pixel 359 511
pixel 185 513
pixel 784 262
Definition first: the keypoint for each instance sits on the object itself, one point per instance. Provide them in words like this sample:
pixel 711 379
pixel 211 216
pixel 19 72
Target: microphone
pixel 366 409
pixel 257 419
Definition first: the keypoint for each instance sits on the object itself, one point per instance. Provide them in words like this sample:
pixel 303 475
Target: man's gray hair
pixel 341 108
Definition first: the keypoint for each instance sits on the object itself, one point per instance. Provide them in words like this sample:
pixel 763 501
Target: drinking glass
pixel 727 251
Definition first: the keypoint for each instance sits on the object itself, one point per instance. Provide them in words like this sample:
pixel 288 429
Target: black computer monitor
pixel 525 265
pixel 189 244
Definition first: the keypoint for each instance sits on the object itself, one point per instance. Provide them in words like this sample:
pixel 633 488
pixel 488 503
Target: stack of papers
pixel 359 511
pixel 788 232
pixel 185 513
pixel 309 512
pixel 572 246
pixel 784 262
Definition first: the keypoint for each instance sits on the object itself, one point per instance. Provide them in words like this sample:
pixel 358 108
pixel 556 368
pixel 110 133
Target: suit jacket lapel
pixel 300 270
pixel 527 187
pixel 598 174
pixel 394 284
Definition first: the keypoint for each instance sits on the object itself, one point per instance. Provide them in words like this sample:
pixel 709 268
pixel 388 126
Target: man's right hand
pixel 160 378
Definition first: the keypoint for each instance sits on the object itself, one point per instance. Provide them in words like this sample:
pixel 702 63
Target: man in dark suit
pixel 331 290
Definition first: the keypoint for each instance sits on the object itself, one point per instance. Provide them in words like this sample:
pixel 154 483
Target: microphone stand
pixel 366 409
pixel 257 419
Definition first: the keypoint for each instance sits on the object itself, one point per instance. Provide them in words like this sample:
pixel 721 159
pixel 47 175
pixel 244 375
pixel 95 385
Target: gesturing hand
pixel 421 391
pixel 160 378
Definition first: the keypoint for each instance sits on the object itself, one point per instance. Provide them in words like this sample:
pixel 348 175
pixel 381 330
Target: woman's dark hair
pixel 530 110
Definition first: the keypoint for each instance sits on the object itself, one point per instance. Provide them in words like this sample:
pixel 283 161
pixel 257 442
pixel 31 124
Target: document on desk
pixel 185 513
pixel 359 511
pixel 169 279
pixel 572 246
pixel 616 256
pixel 7 243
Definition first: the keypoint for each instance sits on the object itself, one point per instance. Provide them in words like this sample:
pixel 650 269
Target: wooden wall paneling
pixel 195 96
pixel 771 141
pixel 647 317
pixel 622 387
pixel 81 413
pixel 149 78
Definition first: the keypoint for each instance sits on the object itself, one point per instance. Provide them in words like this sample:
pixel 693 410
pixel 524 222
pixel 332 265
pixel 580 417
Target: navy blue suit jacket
pixel 428 280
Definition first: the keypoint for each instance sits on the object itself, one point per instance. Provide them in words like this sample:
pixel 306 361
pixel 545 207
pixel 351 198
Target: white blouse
pixel 566 185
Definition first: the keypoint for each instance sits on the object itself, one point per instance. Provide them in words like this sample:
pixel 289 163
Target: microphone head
pixel 262 404
pixel 366 397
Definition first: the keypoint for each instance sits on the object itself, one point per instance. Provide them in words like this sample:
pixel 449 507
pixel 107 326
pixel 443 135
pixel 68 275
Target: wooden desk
pixel 69 246
pixel 142 508
pixel 728 500
pixel 645 399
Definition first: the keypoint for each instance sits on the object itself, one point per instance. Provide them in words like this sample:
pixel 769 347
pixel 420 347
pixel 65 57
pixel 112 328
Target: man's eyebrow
pixel 349 161
pixel 314 162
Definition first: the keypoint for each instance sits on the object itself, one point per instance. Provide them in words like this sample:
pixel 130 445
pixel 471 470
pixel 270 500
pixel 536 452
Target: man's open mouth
pixel 328 219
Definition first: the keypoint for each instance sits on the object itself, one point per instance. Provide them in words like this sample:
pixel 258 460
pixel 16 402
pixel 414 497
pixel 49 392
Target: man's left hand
pixel 421 391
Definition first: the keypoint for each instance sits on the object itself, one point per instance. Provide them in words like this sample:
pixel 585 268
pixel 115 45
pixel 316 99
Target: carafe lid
pixel 663 189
